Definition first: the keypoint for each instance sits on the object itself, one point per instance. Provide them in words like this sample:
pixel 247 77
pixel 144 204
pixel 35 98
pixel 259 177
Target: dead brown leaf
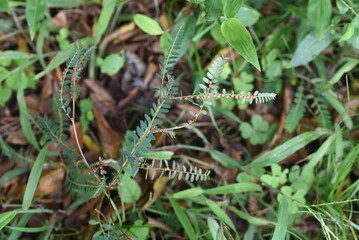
pixel 79 135
pixel 109 140
pixel 158 187
pixel 50 183
pixel 17 137
pixel 101 97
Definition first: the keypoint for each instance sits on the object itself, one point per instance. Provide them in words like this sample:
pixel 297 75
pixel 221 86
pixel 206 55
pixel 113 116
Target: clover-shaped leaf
pixel 298 197
pixel 257 133
pixel 278 176
pixel 243 83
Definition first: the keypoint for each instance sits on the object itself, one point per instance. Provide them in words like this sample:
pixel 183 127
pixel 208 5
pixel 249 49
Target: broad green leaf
pixel 280 230
pixel 138 231
pixel 129 190
pixel 234 188
pixel 112 64
pixel 192 192
pixel 309 48
pixel 214 9
pixel 247 15
pixel 5 94
pixel 341 6
pixel 239 38
pixel 220 213
pixel 108 7
pixel 147 24
pixel 34 177
pixel 35 11
pixel 319 15
pixel 24 116
pixel 231 7
pixel 163 155
pixel 182 217
pixel 217 34
pixel 63 56
pixel 348 66
pixel 286 149
pixel 5 5
pixel 338 106
pixel 6 217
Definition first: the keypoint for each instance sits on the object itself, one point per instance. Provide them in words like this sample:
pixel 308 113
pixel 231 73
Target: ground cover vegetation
pixel 197 119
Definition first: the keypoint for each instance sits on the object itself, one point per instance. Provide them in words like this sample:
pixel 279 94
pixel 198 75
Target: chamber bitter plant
pixel 81 178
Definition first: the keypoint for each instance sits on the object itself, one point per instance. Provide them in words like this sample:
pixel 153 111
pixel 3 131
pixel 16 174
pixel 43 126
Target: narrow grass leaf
pixel 6 217
pixel 234 188
pixel 34 178
pixel 11 174
pixel 192 192
pixel 24 116
pixel 63 56
pixel 107 10
pixel 348 66
pixel 286 149
pixel 182 217
pixel 22 223
pixel 281 229
pixel 250 219
pixel 147 24
pixel 163 155
pixel 222 158
pixel 220 213
pixel 338 106
pixel 213 227
pixel 35 10
pixel 30 229
pixel 239 38
pixel 346 167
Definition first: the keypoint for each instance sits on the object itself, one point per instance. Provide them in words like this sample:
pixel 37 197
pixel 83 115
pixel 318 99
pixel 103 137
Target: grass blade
pixel 6 217
pixel 220 213
pixel 182 217
pixel 281 229
pixel 34 178
pixel 106 13
pixel 234 188
pixel 286 149
pixel 24 117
